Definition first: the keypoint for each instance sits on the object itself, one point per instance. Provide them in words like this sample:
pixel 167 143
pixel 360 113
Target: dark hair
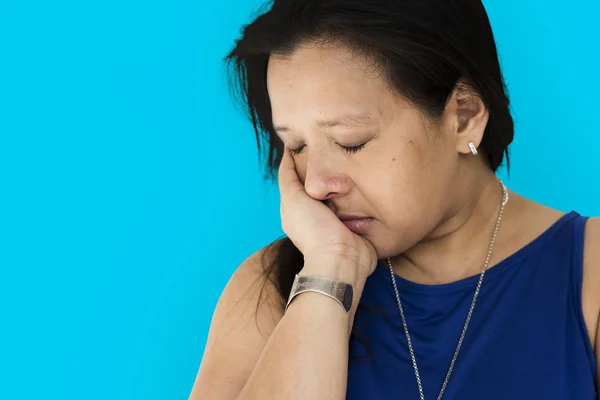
pixel 425 49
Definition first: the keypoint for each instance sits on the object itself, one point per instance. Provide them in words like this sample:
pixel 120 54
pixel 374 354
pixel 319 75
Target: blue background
pixel 130 188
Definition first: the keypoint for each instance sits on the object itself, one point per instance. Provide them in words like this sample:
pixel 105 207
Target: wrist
pixel 333 267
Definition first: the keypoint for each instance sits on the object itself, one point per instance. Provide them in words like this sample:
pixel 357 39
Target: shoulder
pixel 246 314
pixel 256 273
pixel 591 257
pixel 593 238
pixel 252 284
pixel 591 278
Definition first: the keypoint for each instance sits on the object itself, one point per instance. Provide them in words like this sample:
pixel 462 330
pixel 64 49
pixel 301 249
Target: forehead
pixel 326 82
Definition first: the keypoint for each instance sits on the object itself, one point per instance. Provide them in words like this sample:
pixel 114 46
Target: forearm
pixel 306 356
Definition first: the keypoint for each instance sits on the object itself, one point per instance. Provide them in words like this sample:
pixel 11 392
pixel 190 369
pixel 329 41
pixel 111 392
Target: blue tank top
pixel 527 338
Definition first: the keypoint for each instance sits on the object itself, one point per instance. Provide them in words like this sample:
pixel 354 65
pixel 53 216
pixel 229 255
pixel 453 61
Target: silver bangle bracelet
pixel 339 291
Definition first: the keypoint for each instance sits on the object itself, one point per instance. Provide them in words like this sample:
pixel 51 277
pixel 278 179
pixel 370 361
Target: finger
pixel 289 182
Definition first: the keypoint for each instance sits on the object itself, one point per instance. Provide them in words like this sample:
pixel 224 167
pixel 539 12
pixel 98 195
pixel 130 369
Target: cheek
pixel 401 170
pixel 402 186
pixel 421 163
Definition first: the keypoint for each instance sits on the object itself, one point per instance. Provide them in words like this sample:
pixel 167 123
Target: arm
pixel 302 355
pixel 237 334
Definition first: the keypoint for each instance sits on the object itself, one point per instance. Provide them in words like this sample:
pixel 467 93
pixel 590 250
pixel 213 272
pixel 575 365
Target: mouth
pixel 361 225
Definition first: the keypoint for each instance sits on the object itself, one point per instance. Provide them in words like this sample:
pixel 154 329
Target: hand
pixel 314 229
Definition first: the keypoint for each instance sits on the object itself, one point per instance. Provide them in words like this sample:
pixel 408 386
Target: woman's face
pixel 326 101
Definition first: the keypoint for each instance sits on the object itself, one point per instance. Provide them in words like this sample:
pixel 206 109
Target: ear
pixel 466 116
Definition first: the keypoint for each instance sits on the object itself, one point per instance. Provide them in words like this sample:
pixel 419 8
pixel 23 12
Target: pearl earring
pixel 473 148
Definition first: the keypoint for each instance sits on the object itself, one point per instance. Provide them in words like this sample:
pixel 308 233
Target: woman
pixel 409 271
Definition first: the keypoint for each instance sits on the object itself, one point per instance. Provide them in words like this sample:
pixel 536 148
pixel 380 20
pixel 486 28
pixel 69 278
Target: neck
pixel 458 247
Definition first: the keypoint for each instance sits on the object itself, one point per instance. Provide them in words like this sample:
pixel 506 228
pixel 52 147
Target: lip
pixel 359 224
pixel 348 216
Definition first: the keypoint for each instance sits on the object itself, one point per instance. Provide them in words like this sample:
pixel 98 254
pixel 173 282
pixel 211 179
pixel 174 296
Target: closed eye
pixel 354 149
pixel 298 149
pixel 348 149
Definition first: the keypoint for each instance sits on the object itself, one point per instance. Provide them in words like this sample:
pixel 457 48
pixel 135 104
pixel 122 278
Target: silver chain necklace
pixel 464 331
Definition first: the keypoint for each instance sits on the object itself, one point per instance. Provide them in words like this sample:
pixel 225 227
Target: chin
pixel 390 244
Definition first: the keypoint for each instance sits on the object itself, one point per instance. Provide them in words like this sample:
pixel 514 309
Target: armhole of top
pixel 579 226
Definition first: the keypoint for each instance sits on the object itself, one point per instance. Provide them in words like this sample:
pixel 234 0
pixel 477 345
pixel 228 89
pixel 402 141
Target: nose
pixel 323 178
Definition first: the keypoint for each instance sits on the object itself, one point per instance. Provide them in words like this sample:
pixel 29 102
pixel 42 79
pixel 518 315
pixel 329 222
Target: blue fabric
pixel 527 338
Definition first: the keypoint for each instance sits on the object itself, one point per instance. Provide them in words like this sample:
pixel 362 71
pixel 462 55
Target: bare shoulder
pixel 246 314
pixel 592 245
pixel 529 220
pixel 592 248
pixel 591 278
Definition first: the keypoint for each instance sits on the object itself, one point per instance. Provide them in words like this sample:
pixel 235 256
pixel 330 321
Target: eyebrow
pixel 348 120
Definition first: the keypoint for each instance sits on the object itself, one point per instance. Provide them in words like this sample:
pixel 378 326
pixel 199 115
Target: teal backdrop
pixel 130 188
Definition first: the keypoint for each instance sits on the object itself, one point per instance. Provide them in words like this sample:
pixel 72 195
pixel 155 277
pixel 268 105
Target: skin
pixel 429 197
